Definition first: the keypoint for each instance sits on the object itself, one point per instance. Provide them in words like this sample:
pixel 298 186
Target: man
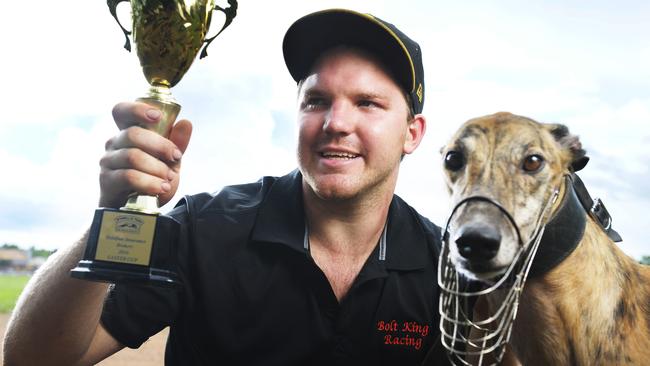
pixel 322 266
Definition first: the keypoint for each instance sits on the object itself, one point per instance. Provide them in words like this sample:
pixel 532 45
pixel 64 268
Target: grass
pixel 10 287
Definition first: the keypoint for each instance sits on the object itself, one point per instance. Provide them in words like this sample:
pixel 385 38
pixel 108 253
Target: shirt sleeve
pixel 133 313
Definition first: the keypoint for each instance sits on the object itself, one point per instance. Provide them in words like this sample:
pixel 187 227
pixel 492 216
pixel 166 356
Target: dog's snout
pixel 478 242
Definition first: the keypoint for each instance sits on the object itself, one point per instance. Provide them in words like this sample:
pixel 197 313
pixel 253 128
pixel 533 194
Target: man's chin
pixel 333 188
pixel 335 194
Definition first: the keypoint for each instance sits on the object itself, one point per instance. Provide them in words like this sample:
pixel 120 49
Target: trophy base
pixel 112 273
pixel 130 247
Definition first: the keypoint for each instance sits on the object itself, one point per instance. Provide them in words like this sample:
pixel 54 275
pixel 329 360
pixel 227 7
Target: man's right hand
pixel 69 332
pixel 140 160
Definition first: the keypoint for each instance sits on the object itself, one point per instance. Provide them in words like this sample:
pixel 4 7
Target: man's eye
pixel 314 102
pixel 367 103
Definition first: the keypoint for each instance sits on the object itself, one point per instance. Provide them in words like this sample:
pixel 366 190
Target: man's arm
pixel 56 319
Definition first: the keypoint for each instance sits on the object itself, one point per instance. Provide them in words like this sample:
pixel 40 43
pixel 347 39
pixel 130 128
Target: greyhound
pixel 520 212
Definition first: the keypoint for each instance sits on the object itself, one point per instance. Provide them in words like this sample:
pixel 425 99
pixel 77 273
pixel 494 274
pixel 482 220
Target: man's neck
pixel 350 227
pixel 342 234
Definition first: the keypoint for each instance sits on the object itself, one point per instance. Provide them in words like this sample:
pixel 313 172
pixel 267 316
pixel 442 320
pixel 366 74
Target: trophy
pixel 137 244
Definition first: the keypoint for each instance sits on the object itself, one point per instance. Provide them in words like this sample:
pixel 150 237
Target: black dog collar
pixel 566 228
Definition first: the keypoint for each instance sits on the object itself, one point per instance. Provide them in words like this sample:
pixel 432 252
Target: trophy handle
pixel 230 12
pixel 112 6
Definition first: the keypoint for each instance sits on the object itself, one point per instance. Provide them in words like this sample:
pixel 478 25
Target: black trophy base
pixel 101 272
pixel 130 247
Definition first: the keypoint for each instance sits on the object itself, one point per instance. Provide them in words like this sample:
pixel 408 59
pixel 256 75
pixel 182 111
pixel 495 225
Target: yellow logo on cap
pixel 419 92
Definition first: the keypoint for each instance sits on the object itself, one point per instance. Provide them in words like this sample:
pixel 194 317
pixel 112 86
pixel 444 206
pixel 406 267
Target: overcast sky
pixel 581 63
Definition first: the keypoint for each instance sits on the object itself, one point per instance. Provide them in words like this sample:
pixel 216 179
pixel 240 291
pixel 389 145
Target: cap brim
pixel 310 36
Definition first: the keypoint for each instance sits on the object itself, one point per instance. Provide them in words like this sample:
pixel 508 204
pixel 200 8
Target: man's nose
pixel 339 119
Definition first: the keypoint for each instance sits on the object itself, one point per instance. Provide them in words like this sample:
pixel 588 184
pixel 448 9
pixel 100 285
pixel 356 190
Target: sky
pixel 583 64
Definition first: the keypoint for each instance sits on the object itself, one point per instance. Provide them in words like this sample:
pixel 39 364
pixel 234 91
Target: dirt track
pixel 152 353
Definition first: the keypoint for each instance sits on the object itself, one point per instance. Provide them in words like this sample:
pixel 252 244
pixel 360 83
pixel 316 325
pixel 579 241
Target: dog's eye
pixel 454 161
pixel 533 163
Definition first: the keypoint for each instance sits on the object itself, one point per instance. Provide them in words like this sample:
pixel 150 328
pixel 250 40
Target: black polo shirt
pixel 253 295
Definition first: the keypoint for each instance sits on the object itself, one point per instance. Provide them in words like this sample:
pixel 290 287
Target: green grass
pixel 10 287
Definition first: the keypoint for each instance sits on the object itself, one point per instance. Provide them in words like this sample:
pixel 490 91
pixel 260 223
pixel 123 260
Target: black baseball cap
pixel 310 36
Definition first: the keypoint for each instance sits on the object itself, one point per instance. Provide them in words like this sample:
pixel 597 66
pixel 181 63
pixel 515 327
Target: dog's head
pixel 514 161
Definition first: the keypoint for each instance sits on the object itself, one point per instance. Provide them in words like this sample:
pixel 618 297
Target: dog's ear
pixel 561 133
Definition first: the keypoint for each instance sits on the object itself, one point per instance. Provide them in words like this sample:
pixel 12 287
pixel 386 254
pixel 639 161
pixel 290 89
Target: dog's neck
pixel 566 227
pixel 581 311
pixel 580 301
pixel 562 233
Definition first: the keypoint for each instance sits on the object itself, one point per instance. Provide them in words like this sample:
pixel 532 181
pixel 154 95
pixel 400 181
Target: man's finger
pixel 117 184
pixel 147 141
pixel 137 159
pixel 127 114
pixel 181 134
pixel 136 181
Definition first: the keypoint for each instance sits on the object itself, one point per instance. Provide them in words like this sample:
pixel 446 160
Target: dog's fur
pixel 591 309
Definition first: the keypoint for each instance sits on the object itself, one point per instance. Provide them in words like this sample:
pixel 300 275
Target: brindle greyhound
pixel 585 302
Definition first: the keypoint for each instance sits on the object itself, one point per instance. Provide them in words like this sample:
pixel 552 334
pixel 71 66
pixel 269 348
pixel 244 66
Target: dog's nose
pixel 478 242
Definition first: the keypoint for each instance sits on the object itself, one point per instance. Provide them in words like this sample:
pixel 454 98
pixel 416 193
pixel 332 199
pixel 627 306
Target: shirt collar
pixel 281 220
pixel 281 217
pixel 406 242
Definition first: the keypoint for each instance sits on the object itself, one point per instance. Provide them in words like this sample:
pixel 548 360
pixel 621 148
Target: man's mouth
pixel 338 155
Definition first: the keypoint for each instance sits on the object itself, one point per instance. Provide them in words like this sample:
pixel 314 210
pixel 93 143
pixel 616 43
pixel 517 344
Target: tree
pixel 40 252
pixel 645 260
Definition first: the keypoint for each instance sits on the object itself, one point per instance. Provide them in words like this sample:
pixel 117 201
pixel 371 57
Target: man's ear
pixel 414 133
pixel 571 143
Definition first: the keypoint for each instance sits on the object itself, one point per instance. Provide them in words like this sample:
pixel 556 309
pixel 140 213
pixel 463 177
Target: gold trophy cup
pixel 137 244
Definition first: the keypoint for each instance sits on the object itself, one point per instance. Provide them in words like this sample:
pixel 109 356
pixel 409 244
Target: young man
pixel 322 266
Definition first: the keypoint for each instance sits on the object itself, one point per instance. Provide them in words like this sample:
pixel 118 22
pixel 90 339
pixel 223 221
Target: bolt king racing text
pixel 408 333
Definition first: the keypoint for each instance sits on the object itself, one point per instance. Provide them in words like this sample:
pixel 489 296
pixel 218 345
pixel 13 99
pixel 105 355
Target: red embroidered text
pixel 408 333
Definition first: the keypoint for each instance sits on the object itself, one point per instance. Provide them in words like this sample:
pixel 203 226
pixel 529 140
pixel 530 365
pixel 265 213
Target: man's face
pixel 353 127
